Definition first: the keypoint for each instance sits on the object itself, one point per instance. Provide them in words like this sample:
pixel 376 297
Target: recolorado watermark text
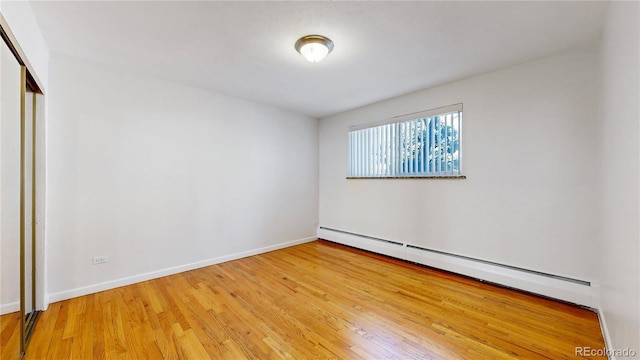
pixel 593 352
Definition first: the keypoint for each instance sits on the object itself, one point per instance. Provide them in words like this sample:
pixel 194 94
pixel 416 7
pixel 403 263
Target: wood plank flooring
pixel 10 336
pixel 313 301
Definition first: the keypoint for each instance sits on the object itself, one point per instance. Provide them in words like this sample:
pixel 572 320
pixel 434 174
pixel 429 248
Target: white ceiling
pixel 382 49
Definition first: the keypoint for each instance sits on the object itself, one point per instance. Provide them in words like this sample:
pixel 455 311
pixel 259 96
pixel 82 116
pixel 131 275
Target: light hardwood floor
pixel 313 301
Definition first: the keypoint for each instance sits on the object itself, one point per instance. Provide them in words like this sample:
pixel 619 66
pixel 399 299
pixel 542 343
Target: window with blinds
pixel 424 144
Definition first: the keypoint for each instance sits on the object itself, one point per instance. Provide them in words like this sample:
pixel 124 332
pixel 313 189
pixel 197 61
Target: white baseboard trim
pixel 605 331
pixel 557 287
pixel 112 284
pixel 9 307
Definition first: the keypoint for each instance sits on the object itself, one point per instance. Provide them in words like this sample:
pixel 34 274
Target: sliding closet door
pixel 28 211
pixel 21 182
pixel 27 207
pixel 10 342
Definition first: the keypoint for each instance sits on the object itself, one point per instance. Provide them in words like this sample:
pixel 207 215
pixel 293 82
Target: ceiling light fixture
pixel 314 47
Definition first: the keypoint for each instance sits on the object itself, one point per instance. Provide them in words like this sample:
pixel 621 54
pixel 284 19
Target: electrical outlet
pixel 100 259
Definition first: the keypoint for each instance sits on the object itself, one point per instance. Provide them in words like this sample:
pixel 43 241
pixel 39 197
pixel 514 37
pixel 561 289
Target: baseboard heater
pixel 564 288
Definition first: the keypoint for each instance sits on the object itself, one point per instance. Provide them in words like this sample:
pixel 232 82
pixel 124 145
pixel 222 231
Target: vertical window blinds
pixel 424 144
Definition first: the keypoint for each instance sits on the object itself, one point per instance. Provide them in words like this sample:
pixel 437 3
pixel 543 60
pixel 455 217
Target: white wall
pixel 620 126
pixel 162 177
pixel 9 181
pixel 530 155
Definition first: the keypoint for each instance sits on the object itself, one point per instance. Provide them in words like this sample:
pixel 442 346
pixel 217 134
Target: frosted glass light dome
pixel 314 48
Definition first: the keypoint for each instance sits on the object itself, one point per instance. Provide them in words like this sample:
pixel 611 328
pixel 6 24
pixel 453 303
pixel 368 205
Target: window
pixel 424 144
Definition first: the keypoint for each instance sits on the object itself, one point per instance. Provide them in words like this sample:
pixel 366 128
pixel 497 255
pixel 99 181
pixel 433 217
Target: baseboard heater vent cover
pixel 564 288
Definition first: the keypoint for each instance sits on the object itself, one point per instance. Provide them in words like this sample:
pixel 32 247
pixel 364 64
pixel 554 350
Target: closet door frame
pixel 28 317
pixel 28 83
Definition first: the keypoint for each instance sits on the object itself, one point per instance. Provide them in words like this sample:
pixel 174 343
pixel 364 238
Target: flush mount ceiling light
pixel 314 47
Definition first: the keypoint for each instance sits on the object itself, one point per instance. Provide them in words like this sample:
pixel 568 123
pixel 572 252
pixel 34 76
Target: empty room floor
pixel 311 301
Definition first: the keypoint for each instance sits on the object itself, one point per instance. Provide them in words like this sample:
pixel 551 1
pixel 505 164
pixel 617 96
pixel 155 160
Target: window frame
pixel 393 144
